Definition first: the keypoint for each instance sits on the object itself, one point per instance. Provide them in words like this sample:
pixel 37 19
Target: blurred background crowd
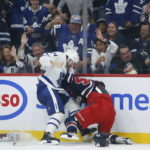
pixel 110 36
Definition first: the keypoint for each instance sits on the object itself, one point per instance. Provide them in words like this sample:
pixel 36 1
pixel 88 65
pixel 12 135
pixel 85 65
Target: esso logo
pixel 13 99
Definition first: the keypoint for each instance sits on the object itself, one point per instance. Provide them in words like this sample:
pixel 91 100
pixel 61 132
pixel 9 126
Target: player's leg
pixel 71 124
pixel 55 109
pixel 101 112
pixel 80 122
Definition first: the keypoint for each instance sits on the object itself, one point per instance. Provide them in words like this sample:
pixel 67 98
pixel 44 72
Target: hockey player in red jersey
pixel 99 107
pixel 99 110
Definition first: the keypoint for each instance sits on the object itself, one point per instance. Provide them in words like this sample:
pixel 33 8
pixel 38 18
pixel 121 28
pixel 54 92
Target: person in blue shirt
pixel 126 14
pixel 33 18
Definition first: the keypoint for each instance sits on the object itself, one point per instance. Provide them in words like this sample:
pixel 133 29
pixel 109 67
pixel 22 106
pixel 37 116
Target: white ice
pixel 69 146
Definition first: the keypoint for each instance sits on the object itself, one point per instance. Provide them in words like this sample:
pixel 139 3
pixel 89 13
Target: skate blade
pixel 54 142
pixel 129 141
pixel 69 137
pixel 121 140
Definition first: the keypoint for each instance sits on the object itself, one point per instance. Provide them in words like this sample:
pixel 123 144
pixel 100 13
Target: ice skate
pixel 101 139
pixel 114 139
pixel 69 136
pixel 47 138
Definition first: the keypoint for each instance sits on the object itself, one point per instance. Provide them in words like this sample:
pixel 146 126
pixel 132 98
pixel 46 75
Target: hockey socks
pixel 72 127
pixel 54 122
pixel 71 124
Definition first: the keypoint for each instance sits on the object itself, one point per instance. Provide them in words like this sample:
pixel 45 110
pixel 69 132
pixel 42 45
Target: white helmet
pixel 73 55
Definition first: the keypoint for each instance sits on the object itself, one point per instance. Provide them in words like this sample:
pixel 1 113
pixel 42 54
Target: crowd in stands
pixel 118 34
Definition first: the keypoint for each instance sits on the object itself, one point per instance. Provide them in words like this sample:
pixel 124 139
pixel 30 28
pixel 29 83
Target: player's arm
pixel 45 62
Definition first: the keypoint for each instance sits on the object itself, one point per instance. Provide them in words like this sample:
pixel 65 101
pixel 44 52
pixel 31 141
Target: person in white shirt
pixel 31 60
pixel 102 54
pixel 10 63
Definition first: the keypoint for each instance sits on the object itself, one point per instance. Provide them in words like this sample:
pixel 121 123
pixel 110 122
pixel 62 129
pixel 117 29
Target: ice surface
pixel 69 146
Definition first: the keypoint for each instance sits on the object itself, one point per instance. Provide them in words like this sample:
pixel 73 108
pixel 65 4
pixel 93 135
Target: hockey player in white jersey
pixel 55 65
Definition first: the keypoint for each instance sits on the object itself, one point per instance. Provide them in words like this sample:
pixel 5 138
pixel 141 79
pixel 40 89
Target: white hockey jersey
pixel 54 65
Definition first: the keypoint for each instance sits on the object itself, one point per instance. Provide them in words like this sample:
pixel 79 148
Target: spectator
pixel 101 25
pixel 102 54
pixel 114 35
pixel 4 28
pixel 128 62
pixel 31 60
pixel 126 14
pixel 50 41
pixel 142 44
pixel 17 27
pixel 33 18
pixel 4 32
pixel 10 62
pixel 144 14
pixel 68 35
pixel 7 4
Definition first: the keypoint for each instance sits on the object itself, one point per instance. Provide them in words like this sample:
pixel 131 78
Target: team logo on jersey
pixel 13 99
pixel 120 7
pixel 69 46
